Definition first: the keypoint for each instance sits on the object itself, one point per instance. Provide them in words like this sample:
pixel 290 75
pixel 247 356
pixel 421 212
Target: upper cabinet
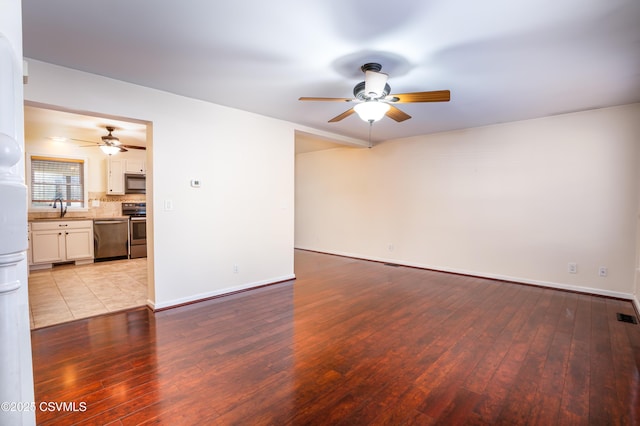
pixel 135 166
pixel 115 176
pixel 117 168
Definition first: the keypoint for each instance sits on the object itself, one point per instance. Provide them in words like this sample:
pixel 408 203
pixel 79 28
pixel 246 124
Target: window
pixel 52 178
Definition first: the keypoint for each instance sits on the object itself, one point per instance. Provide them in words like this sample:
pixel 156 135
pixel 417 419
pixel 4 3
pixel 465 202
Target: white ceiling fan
pixel 373 100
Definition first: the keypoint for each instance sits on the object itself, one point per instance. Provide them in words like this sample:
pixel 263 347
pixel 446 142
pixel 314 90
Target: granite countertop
pixel 74 218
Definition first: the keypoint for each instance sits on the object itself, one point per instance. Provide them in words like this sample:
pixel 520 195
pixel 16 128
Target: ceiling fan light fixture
pixel 109 149
pixel 371 111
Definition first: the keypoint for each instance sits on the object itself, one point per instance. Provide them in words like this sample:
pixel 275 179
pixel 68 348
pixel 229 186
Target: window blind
pixel 53 178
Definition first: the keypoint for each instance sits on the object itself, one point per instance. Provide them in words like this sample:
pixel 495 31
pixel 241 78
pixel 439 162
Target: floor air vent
pixel 395 265
pixel 627 318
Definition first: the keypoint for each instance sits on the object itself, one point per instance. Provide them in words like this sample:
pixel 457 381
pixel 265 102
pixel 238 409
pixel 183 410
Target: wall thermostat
pixel 195 183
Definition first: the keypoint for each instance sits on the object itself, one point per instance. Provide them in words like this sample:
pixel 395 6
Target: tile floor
pixel 68 292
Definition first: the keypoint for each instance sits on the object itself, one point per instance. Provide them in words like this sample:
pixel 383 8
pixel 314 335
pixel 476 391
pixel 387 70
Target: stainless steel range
pixel 137 213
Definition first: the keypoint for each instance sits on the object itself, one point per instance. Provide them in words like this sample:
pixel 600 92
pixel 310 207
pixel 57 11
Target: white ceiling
pixel 503 60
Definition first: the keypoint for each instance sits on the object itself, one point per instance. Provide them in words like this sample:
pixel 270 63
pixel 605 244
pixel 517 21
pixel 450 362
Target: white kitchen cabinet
pixel 115 176
pixel 135 166
pixel 61 241
pixel 47 246
pixel 79 243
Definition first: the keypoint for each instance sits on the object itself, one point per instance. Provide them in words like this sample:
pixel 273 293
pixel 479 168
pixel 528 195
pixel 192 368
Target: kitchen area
pixel 87 228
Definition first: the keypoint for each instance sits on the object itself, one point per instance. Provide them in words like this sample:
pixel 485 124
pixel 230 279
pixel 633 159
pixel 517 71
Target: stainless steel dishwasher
pixel 111 238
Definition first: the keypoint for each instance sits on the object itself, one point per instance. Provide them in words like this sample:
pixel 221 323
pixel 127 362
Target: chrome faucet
pixel 62 211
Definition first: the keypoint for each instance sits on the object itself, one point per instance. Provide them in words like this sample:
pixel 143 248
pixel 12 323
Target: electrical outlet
pixel 391 247
pixel 235 269
pixel 572 268
pixel 603 271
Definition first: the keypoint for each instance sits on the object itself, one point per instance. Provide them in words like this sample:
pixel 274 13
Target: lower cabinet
pixel 61 241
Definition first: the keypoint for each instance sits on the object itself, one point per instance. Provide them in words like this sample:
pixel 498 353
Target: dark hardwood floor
pixel 350 342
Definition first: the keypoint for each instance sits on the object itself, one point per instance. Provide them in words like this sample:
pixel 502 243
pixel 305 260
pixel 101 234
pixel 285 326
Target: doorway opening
pixel 65 287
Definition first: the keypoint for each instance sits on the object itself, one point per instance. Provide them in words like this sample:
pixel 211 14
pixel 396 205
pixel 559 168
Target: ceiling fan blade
pixel 434 96
pixel 342 116
pixel 122 147
pixel 397 114
pixel 325 99
pixel 374 83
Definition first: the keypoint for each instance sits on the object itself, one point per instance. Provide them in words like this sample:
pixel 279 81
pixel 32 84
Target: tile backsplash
pixel 100 205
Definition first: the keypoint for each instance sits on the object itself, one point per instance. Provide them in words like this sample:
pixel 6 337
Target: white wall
pixel 243 212
pixel 517 201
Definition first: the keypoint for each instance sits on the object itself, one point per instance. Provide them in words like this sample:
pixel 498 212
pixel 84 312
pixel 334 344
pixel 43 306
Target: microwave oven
pixel 134 184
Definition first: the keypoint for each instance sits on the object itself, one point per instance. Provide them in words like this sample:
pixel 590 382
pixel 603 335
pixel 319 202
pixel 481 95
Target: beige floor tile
pixel 70 292
pixel 89 312
pixel 58 316
pixel 40 302
pixel 122 305
pixel 45 294
pixel 83 302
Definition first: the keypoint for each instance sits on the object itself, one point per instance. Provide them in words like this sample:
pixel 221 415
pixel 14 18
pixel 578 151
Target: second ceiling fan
pixel 374 101
pixel 110 144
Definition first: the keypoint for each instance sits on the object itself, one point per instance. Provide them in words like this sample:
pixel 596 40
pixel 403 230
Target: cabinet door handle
pixel 66 233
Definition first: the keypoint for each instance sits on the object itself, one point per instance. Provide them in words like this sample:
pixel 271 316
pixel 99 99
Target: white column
pixel 10 380
pixel 16 377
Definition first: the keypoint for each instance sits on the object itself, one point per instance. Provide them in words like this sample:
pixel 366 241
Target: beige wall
pixel 517 201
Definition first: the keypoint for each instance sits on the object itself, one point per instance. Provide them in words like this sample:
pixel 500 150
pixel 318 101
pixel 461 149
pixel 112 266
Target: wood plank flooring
pixel 350 342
